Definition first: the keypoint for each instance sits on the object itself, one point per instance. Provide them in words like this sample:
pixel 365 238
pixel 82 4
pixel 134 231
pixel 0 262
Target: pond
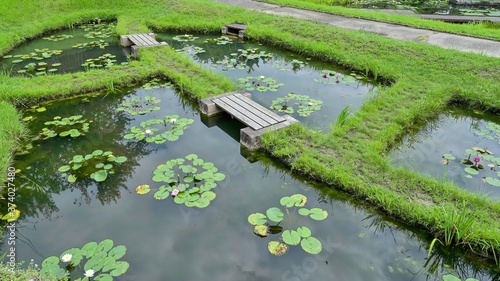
pixel 461 146
pixel 212 240
pixel 83 47
pixel 311 91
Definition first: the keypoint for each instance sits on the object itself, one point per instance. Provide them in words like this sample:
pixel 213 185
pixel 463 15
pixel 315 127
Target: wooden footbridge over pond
pixel 136 41
pixel 240 106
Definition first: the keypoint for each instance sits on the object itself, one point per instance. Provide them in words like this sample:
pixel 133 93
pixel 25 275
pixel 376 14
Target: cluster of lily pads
pixel 240 59
pixel 58 37
pixel 188 180
pixel 223 40
pixel 100 261
pixel 184 38
pixel 96 165
pixel 38 54
pixel 191 50
pixel 259 83
pixel 170 128
pixel 306 105
pixel 40 68
pixel 104 61
pixel 253 53
pixel 289 237
pixel 92 44
pixel 73 126
pixel 333 77
pixel 156 83
pixel 140 106
pixel 98 30
pixel 294 65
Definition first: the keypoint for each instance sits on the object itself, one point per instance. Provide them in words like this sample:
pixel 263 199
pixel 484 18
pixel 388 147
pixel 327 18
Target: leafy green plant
pixel 189 181
pixel 306 105
pixel 157 83
pixel 289 237
pixel 190 50
pixel 140 106
pixel 259 83
pixel 451 277
pixel 223 40
pixel 106 61
pixel 184 38
pixel 94 261
pixel 294 65
pixel 99 43
pixel 96 165
pixel 98 30
pixel 343 116
pixel 58 37
pixel 73 126
pixel 333 78
pixel 252 53
pixel 38 54
pixel 40 68
pixel 159 131
pixel 457 226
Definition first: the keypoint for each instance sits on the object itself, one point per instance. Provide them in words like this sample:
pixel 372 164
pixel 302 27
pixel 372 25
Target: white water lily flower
pixel 89 273
pixel 148 131
pixel 310 104
pixel 262 77
pixel 66 258
pixel 173 120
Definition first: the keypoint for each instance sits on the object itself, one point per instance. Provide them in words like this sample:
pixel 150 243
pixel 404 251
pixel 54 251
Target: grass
pixel 481 30
pixel 419 80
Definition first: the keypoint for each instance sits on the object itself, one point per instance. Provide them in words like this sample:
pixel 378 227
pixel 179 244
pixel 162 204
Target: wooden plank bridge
pixel 135 41
pixel 240 106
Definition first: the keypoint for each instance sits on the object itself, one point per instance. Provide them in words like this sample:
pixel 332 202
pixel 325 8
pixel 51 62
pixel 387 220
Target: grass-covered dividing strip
pixel 424 80
pixel 352 156
pixel 479 30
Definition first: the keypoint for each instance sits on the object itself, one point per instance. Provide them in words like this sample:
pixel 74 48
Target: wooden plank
pixel 138 40
pixel 143 40
pixel 150 40
pixel 236 114
pixel 249 105
pixel 248 114
pixel 261 108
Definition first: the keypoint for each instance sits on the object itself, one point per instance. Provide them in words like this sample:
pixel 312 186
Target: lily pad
pixel 170 128
pixel 492 181
pixel 261 230
pixel 277 248
pixel 291 237
pixel 305 105
pixel 275 214
pixel 142 189
pixel 311 245
pixel 257 218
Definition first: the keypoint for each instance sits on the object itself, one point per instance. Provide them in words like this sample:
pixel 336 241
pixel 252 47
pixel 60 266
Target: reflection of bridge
pixel 258 118
pixel 139 40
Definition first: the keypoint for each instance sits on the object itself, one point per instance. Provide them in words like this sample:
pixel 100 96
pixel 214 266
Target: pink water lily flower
pixel 175 192
pixel 476 159
pixel 325 75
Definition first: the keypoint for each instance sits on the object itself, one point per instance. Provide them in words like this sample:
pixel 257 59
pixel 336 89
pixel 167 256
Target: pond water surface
pixel 169 241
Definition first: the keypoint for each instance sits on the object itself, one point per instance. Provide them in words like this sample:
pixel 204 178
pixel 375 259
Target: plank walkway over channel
pixel 135 41
pixel 258 118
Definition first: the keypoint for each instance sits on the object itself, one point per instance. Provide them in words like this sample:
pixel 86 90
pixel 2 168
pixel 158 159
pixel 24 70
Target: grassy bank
pixel 352 157
pixel 480 30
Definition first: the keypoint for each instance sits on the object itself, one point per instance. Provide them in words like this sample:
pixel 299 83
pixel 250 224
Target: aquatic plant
pixel 223 40
pixel 293 65
pixel 98 30
pixel 333 78
pixel 12 213
pixel 230 63
pixel 38 54
pixel 184 38
pixel 289 237
pixel 189 181
pixel 106 60
pixel 190 50
pixel 157 83
pixel 96 165
pixel 58 37
pixel 170 128
pixel 306 105
pixel 252 54
pixel 99 261
pixel 451 277
pixel 92 44
pixel 40 68
pixel 140 106
pixel 73 126
pixel 259 83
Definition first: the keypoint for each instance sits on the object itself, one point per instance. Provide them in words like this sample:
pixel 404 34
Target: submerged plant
pixel 289 237
pixel 333 78
pixel 184 38
pixel 223 40
pixel 306 105
pixel 94 261
pixel 170 128
pixel 140 106
pixel 259 83
pixel 188 181
pixel 96 165
pixel 73 126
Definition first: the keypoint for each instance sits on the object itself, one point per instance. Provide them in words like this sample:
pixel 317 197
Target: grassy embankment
pixel 481 29
pixel 425 79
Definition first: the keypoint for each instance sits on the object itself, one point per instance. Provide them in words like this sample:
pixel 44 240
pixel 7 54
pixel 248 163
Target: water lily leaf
pixel 449 277
pixel 311 245
pixel 64 168
pixel 471 171
pixel 318 214
pixel 260 230
pixel 162 194
pixel 120 159
pixel 89 249
pixel 304 211
pixel 72 178
pixel 299 199
pixel 291 237
pixel 449 156
pixel 287 201
pixel 202 203
pixel 100 175
pixel 492 181
pixel 257 218
pixel 277 248
pixel 304 231
pixel 208 195
pixel 142 189
pixel 275 214
pixel 275 229
pixel 105 245
pixel 219 176
pixel 103 277
pixel 41 109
